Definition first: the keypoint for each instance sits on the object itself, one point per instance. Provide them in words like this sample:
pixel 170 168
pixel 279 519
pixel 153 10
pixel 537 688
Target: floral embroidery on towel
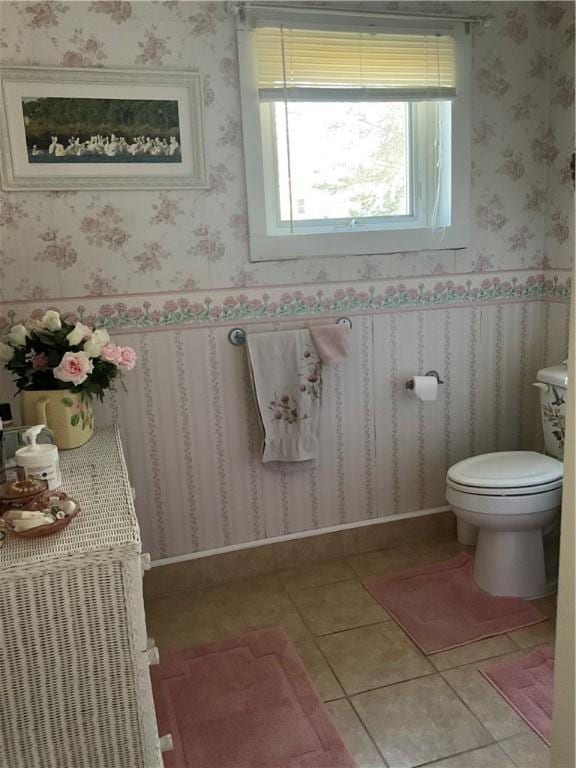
pixel 312 377
pixel 285 407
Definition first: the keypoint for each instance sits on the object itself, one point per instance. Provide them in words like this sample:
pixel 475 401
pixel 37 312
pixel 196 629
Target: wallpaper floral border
pixel 280 303
pixel 56 246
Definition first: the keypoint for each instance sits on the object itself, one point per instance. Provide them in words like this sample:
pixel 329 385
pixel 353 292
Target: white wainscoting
pixel 193 442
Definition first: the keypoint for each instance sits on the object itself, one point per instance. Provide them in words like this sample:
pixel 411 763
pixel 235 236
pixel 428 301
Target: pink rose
pixel 74 368
pixel 127 358
pixel 111 353
pixel 40 360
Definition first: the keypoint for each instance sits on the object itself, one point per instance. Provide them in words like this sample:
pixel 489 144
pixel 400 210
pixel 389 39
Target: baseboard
pixel 298 535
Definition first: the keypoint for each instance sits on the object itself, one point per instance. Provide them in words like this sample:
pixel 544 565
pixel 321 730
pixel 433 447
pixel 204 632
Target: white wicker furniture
pixel 74 682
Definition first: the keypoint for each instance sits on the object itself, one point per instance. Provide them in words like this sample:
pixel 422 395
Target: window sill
pixel 280 247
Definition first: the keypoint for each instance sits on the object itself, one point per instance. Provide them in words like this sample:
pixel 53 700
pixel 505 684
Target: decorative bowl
pixel 47 499
pixel 20 494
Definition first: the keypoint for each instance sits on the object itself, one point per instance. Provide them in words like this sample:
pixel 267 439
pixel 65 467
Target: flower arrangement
pixel 53 354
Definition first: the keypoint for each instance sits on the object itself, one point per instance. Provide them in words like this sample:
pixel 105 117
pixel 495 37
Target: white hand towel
pixel 286 372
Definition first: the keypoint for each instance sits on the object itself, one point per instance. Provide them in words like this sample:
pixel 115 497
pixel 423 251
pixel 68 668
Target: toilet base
pixel 511 564
pixel 466 533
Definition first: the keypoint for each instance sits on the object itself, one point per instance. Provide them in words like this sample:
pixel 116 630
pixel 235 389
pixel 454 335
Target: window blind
pixel 334 65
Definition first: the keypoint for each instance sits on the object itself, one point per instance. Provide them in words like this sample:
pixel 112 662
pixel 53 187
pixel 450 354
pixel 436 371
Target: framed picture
pixel 100 129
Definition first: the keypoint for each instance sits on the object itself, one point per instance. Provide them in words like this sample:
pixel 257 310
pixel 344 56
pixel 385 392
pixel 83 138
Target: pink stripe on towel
pixel 246 702
pixel 527 685
pixel 332 342
pixel 440 606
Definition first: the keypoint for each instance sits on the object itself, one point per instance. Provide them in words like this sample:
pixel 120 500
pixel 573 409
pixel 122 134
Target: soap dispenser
pixel 38 462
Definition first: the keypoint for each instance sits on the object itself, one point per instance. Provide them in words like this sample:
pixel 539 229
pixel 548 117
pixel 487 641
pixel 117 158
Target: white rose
pixel 6 353
pixel 102 334
pixel 78 335
pixel 17 335
pixel 51 320
pixel 94 345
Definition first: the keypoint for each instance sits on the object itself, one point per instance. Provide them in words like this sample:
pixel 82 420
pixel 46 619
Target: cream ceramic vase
pixel 68 414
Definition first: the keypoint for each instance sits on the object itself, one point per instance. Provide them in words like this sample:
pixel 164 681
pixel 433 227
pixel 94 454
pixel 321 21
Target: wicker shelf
pixel 75 688
pixel 96 475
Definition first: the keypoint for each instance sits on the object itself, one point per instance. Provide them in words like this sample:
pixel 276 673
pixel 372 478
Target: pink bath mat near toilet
pixel 440 606
pixel 527 685
pixel 243 702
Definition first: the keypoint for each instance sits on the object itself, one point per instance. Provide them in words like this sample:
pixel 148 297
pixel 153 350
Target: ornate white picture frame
pixel 68 129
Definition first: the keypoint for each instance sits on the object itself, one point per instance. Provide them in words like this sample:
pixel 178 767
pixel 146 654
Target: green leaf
pixel 68 402
pixel 46 338
pixel 74 419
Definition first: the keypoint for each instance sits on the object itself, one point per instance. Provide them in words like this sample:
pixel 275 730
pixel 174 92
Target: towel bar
pixel 237 336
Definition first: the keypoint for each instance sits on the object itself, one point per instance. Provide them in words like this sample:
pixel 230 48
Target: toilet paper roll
pixel 426 387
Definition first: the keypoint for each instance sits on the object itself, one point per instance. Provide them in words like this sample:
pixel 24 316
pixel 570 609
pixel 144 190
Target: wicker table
pixel 74 682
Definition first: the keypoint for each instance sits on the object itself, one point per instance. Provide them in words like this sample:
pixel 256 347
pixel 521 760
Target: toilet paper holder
pixel 410 382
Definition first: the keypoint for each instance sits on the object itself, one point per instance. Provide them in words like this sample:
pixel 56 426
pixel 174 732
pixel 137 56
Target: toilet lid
pixel 506 469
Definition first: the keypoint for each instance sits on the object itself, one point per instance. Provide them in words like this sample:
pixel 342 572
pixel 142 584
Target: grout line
pixel 469 708
pixel 364 727
pixel 431 673
pixel 476 661
pixel 368 690
pixel 382 620
pixel 519 735
pixel 321 586
pixel 372 739
pixel 460 754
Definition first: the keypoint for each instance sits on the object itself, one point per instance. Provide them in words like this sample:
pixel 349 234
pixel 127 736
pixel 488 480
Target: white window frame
pixel 271 241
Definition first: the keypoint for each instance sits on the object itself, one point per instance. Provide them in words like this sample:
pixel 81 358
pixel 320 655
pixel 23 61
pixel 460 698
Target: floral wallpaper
pixel 74 244
pixel 169 273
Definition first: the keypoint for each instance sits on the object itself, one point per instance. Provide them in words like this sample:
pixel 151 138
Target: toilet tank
pixel 552 383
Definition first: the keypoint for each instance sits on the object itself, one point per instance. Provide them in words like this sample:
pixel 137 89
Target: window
pixel 356 138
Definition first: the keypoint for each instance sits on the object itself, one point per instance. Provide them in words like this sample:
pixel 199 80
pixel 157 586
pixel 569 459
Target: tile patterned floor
pixel 394 707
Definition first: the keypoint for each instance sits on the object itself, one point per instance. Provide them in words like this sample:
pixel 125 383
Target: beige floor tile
pixel 492 710
pixel 547 605
pixel 228 594
pixel 235 566
pixel 466 654
pixel 187 576
pixel 383 561
pixel 486 757
pixel 334 607
pixel 316 575
pixel 373 656
pixel 180 620
pixel 407 556
pixel 299 553
pixel 527 751
pixel 354 735
pixel 395 533
pixel 537 634
pixel 317 667
pixel 247 621
pixel 419 721
pixel 258 605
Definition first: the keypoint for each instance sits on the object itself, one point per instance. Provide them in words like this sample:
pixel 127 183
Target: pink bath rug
pixel 243 702
pixel 527 685
pixel 440 606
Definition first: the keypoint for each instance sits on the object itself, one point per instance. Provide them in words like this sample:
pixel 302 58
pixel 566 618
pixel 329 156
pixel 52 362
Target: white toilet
pixel 504 501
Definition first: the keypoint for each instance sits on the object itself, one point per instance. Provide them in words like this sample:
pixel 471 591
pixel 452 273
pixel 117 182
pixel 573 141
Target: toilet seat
pixel 506 473
pixel 524 490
